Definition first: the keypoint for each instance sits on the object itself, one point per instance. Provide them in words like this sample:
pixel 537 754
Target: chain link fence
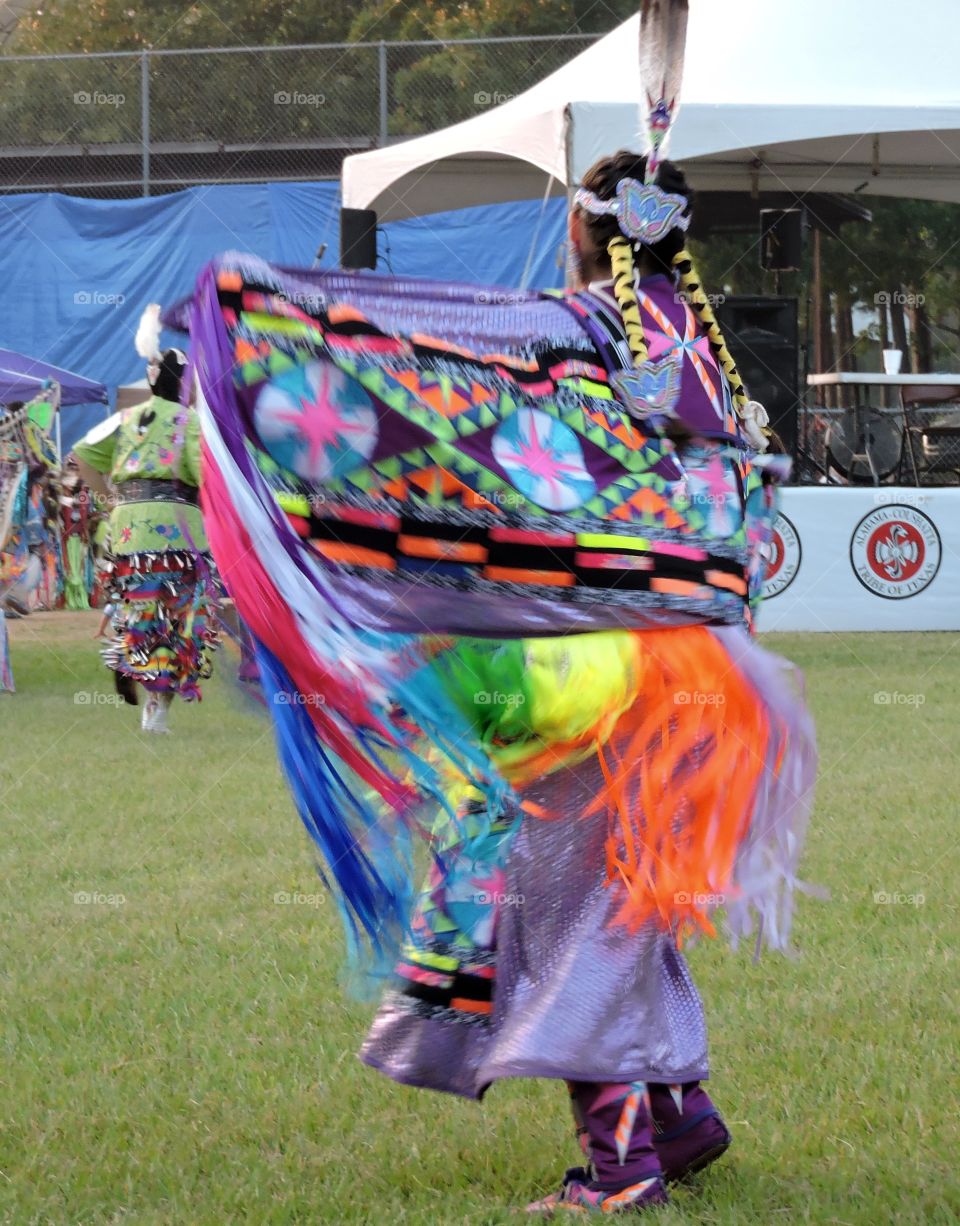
pixel 132 123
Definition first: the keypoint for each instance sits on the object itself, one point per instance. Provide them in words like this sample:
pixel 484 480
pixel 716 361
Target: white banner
pixel 883 558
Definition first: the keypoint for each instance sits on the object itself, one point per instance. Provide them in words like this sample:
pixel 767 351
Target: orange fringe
pixel 681 769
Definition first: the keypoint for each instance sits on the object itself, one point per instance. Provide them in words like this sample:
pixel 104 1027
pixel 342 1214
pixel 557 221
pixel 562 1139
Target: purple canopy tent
pixel 30 373
pixel 17 386
pixel 23 378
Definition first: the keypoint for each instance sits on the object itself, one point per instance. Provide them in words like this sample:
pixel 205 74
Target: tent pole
pixel 528 267
pixel 145 123
pixel 384 96
pixel 571 272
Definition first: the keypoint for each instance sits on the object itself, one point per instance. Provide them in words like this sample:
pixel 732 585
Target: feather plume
pixel 663 36
pixel 147 339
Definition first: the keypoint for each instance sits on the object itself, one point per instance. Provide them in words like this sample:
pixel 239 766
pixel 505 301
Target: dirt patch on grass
pixel 61 626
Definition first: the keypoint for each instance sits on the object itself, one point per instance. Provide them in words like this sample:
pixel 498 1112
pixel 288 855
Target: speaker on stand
pixel 783 236
pixel 762 336
pixel 358 238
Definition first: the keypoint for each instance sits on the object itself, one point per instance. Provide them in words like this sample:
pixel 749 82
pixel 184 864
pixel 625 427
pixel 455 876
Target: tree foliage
pixel 59 26
pixel 125 25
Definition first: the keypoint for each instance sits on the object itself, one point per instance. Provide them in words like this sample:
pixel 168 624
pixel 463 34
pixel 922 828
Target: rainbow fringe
pixel 707 756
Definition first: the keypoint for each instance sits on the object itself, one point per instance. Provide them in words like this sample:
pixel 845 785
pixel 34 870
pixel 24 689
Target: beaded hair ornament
pixel 645 214
pixel 644 211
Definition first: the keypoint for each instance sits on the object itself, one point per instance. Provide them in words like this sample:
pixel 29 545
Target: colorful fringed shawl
pixel 453 461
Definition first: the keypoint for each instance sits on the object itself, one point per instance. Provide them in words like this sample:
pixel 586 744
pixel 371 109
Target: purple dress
pixel 572 996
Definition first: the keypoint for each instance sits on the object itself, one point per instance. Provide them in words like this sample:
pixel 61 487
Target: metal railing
pixel 143 123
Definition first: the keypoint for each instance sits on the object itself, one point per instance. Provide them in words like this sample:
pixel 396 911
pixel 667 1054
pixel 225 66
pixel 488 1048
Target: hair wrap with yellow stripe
pixel 693 290
pixel 620 251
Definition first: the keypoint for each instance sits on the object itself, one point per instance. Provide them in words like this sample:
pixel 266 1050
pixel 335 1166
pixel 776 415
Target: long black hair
pixel 166 383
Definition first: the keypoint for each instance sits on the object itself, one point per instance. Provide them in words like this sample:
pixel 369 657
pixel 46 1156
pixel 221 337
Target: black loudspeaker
pixel 358 238
pixel 781 239
pixel 762 336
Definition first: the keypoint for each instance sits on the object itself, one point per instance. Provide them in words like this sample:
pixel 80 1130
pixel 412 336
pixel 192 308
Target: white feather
pixel 147 339
pixel 663 36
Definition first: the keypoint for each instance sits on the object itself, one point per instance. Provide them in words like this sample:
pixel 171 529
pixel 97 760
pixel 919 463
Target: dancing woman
pixel 163 620
pixel 512 615
pixel 522 960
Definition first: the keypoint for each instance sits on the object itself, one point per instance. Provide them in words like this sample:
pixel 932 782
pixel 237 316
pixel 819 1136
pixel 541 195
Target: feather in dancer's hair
pixel 147 339
pixel 663 36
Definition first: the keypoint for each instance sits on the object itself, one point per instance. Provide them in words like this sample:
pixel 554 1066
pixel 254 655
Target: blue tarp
pixel 78 273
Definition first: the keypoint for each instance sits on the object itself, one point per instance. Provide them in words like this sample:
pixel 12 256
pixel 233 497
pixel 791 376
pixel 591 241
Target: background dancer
pixel 164 625
pixel 77 524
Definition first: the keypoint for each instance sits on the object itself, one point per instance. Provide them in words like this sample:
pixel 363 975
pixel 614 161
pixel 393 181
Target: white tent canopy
pixel 796 95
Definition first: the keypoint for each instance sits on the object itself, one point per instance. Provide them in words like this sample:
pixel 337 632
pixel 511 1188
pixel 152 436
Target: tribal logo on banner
pixel 783 558
pixel 895 551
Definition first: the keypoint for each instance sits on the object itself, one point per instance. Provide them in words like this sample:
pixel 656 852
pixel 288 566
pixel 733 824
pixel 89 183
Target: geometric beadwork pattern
pixel 425 458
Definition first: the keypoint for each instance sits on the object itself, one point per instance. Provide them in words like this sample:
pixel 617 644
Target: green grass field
pixel 177 1049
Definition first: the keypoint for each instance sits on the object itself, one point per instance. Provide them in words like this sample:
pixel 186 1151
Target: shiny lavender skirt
pixel 574 997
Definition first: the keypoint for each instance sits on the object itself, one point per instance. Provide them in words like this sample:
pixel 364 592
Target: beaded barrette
pixel 644 211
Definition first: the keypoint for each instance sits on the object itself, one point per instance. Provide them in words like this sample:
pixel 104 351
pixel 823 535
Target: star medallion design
pixel 316 421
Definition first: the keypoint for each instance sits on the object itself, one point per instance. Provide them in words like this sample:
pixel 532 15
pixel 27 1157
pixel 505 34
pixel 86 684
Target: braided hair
pixel 670 256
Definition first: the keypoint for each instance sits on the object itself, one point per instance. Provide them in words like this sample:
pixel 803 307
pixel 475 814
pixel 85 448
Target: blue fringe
pixel 369 870
pixel 366 852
